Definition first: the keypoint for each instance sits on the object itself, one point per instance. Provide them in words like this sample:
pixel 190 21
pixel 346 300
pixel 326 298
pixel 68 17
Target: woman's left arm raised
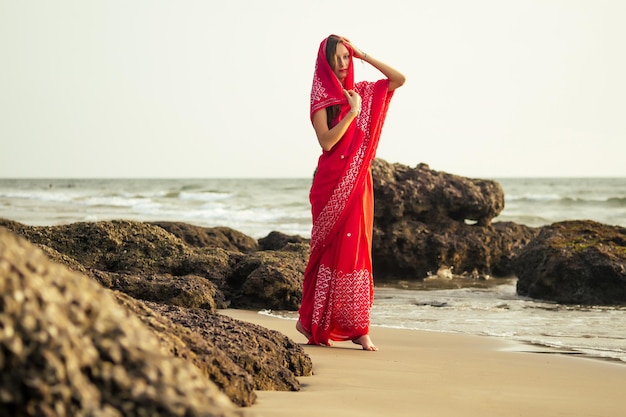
pixel 395 77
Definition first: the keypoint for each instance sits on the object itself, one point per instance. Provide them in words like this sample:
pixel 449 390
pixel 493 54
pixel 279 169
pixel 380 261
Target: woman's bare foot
pixel 301 330
pixel 366 343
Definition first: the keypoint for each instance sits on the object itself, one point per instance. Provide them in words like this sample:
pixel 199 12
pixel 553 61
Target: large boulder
pixel 574 262
pixel 425 220
pixel 432 197
pixel 69 349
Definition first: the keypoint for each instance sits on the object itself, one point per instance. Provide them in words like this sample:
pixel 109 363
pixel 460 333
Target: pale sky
pixel 172 89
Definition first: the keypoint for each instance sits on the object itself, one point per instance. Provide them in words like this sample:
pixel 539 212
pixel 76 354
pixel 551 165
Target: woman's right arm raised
pixel 329 137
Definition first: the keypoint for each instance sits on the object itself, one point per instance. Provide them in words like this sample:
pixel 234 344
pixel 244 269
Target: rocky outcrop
pixel 425 220
pixel 150 263
pixel 574 262
pixel 211 342
pixel 69 349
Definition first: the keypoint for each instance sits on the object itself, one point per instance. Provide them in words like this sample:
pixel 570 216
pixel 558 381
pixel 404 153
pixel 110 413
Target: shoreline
pixel 442 374
pixel 512 345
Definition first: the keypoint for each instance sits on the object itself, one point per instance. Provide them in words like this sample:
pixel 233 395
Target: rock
pixel 270 279
pixel 141 259
pixel 179 338
pixel 200 237
pixel 421 223
pixel 272 360
pixel 189 291
pixel 277 241
pixel 432 197
pixel 67 348
pixel 126 246
pixel 574 262
pixel 118 254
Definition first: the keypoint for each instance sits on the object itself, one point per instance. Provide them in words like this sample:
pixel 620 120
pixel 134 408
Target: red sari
pixel 338 289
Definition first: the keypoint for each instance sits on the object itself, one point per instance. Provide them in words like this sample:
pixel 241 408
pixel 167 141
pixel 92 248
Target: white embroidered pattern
pixel 366 91
pixel 318 92
pixel 322 295
pixel 342 301
pixel 319 97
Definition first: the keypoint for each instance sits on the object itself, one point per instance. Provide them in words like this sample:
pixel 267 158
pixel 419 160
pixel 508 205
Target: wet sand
pixel 431 374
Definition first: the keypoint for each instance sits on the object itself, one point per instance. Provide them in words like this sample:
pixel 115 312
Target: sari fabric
pixel 338 288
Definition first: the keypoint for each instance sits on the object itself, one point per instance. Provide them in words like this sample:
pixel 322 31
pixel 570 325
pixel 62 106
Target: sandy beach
pixel 441 374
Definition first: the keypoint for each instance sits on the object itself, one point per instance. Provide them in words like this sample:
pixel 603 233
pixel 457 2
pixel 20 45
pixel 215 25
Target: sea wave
pixel 207 196
pixel 547 198
pixel 617 201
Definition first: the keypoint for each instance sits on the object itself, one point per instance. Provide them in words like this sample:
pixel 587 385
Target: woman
pixel 338 289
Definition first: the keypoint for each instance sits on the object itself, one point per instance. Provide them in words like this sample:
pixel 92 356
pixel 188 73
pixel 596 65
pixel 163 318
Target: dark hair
pixel 331 49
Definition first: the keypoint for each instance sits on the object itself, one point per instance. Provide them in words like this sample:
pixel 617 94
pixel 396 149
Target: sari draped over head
pixel 338 288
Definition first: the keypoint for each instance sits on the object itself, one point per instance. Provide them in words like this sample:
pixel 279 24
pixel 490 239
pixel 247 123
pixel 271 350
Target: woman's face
pixel 341 61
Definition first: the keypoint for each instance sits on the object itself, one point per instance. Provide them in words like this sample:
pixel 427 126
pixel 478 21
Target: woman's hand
pixel 395 77
pixel 354 99
pixel 357 53
pixel 328 138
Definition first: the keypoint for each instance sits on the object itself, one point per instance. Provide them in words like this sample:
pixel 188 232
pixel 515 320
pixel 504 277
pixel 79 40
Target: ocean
pixel 258 206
